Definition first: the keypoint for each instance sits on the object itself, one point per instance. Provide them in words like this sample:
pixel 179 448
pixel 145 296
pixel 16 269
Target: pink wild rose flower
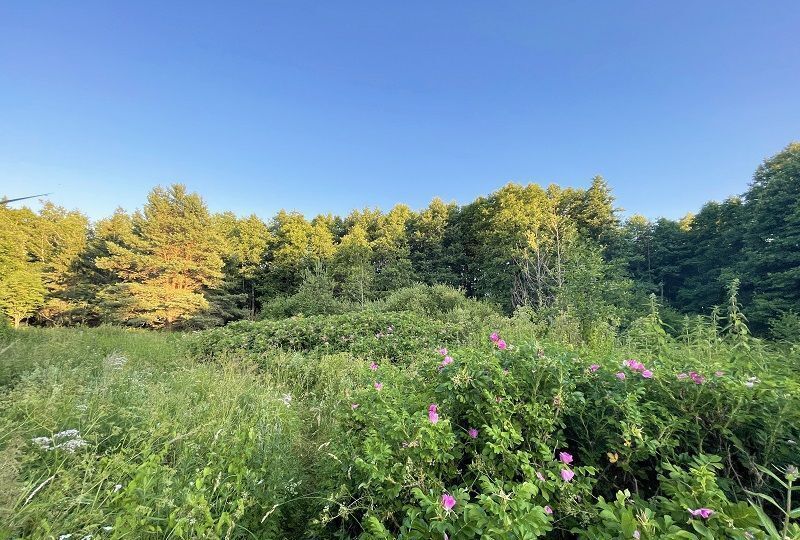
pixel 565 457
pixel 633 364
pixel 473 433
pixel 495 337
pixel 501 344
pixel 373 366
pixel 548 510
pixel 647 374
pixel 621 376
pixel 594 367
pixel 448 501
pixel 433 416
pixel 704 513
pixel 567 475
pixel 696 377
pixel 378 386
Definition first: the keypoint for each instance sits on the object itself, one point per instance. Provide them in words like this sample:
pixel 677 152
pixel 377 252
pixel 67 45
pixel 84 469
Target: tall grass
pixel 160 446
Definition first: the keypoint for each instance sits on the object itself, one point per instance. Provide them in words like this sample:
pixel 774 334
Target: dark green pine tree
pixel 771 270
pixel 715 241
pixel 597 218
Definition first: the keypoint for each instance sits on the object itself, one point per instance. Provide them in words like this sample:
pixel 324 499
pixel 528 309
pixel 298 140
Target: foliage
pixel 376 335
pixel 563 252
pixel 398 424
pixel 172 256
pixel 138 442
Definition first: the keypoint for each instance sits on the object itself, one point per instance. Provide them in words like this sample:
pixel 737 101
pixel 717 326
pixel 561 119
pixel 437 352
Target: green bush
pixel 369 334
pixel 678 443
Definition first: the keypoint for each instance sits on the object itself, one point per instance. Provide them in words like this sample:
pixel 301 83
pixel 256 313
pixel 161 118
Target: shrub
pixel 367 334
pixel 676 443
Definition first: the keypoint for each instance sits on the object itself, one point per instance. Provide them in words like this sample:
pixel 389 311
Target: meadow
pixel 424 416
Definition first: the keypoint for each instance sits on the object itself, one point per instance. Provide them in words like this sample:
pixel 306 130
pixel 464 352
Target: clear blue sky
pixel 328 106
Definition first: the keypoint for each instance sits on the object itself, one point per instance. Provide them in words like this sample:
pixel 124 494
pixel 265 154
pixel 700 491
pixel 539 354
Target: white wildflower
pixel 108 528
pixel 117 487
pixel 43 442
pixel 67 434
pixel 68 440
pixel 287 399
pixel 65 537
pixel 71 445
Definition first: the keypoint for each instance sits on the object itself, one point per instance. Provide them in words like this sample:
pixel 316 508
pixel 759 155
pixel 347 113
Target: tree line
pixel 552 251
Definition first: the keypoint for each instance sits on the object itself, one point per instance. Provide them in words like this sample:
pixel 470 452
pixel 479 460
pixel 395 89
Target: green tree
pixel 21 292
pixel 352 265
pixel 91 281
pixel 771 269
pixel 714 255
pixel 391 254
pixel 246 242
pixel 173 259
pixel 596 217
pixel 289 254
pixel 59 243
pixel 21 287
pixel 434 240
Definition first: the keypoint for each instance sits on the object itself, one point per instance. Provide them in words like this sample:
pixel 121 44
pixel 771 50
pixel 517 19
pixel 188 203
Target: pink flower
pixel 565 457
pixel 621 376
pixel 636 535
pixel 594 367
pixel 472 432
pixel 373 366
pixel 704 513
pixel 567 474
pixel 378 386
pixel 443 351
pixel 647 374
pixel 719 373
pixel 682 376
pixel 447 360
pixel 540 476
pixel 495 337
pixel 354 406
pixel 501 344
pixel 635 365
pixel 448 502
pixel 433 416
pixel 696 377
pixel 548 510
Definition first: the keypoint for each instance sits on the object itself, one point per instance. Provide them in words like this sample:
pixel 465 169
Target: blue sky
pixel 329 106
